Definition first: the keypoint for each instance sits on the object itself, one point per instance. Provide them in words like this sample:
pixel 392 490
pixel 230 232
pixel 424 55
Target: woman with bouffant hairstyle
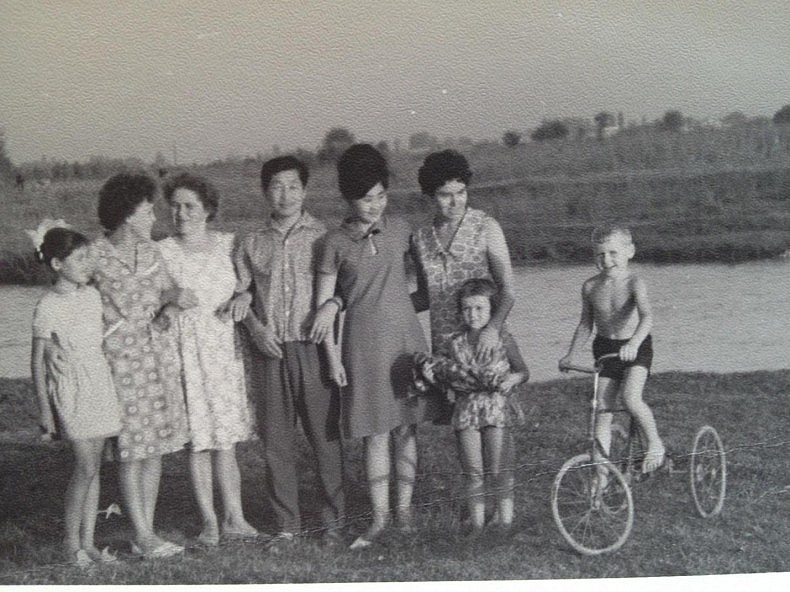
pixel 363 262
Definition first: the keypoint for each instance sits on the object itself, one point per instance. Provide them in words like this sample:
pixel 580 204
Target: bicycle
pixel 591 497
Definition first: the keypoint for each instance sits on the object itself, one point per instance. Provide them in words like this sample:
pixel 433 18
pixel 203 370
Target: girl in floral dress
pixel 486 408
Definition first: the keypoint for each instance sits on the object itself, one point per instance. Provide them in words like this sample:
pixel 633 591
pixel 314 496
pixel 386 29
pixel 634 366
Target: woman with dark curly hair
pixel 138 296
pixel 219 414
pixel 459 244
pixel 364 261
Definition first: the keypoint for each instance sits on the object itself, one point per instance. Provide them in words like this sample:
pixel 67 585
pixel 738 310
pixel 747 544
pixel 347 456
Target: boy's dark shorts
pixel 614 367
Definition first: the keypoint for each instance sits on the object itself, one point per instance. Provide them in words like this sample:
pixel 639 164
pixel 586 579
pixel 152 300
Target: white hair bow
pixel 47 224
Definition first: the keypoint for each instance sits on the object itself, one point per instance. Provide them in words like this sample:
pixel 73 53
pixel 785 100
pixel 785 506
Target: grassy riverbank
pixel 751 535
pixel 686 199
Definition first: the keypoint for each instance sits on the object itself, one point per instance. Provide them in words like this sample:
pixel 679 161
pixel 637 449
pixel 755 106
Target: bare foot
pixel 239 530
pixel 654 459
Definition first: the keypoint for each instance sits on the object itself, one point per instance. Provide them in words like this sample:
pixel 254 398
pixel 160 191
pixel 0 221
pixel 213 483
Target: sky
pixel 215 79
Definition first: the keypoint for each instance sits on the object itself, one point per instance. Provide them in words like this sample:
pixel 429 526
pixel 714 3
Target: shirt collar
pixel 306 220
pixel 351 226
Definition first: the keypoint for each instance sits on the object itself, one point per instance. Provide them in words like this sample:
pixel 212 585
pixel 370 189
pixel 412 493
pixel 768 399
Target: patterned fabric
pixel 446 269
pixel 143 359
pixel 83 394
pixel 213 374
pixel 479 401
pixel 281 265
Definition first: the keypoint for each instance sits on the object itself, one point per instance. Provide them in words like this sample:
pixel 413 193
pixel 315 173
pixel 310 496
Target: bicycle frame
pixel 596 449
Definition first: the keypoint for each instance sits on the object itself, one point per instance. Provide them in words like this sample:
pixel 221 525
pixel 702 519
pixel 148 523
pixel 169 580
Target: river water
pixel 717 318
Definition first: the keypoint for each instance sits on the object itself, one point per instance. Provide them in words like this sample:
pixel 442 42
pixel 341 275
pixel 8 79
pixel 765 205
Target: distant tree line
pixel 337 139
pixel 605 123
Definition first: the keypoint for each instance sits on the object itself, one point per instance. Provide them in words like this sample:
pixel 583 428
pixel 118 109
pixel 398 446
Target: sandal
pixel 208 539
pixel 240 534
pixel 81 559
pixel 166 549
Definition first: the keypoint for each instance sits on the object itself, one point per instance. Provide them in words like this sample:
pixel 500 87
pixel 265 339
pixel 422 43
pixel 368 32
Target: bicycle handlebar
pixel 592 370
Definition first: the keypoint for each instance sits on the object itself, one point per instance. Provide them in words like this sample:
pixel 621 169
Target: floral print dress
pixel 218 410
pixel 143 359
pixel 445 270
pixel 476 387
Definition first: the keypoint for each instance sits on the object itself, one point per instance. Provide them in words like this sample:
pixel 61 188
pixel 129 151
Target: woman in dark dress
pixel 363 262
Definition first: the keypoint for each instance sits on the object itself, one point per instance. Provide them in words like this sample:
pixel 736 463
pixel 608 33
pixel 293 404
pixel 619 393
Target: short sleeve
pixel 517 363
pixel 42 320
pixel 241 263
pixel 329 255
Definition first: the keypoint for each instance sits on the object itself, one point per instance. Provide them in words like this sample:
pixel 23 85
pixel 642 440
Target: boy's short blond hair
pixel 600 234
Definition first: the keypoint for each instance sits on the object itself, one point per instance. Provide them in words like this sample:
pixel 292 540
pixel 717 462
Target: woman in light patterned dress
pixel 213 375
pixel 137 297
pixel 459 244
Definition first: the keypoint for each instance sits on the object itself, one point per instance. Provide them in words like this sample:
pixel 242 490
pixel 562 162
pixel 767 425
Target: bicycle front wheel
pixel 708 472
pixel 592 505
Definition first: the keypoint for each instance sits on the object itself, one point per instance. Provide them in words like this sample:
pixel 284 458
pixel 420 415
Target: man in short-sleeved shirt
pixel 288 380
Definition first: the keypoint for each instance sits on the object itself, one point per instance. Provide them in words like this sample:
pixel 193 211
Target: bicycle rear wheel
pixel 592 505
pixel 708 472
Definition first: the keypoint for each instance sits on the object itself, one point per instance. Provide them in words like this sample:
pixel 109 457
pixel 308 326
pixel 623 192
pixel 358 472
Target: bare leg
pixel 132 490
pixel 377 465
pixel 230 485
pixel 202 483
pixel 405 471
pixel 633 385
pixel 607 397
pixel 78 493
pixel 91 505
pixel 151 471
pixel 471 448
pixel 497 449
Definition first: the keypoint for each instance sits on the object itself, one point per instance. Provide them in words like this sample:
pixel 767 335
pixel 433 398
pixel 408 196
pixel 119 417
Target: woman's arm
pixel 502 273
pixel 420 298
pixel 327 306
pixel 325 290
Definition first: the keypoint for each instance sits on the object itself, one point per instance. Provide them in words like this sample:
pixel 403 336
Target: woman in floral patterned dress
pixel 460 243
pixel 136 291
pixel 213 375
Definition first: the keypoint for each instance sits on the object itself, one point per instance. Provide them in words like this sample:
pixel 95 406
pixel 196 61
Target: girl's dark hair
pixel 478 287
pixel 359 169
pixel 283 163
pixel 60 243
pixel 206 192
pixel 440 167
pixel 121 195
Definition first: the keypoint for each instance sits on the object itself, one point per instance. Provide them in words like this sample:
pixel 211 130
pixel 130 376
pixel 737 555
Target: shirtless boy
pixel 615 304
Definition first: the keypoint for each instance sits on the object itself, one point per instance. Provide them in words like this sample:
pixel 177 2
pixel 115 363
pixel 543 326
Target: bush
pixel 549 130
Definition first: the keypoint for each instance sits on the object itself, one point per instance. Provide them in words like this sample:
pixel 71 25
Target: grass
pixel 751 535
pixel 709 195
